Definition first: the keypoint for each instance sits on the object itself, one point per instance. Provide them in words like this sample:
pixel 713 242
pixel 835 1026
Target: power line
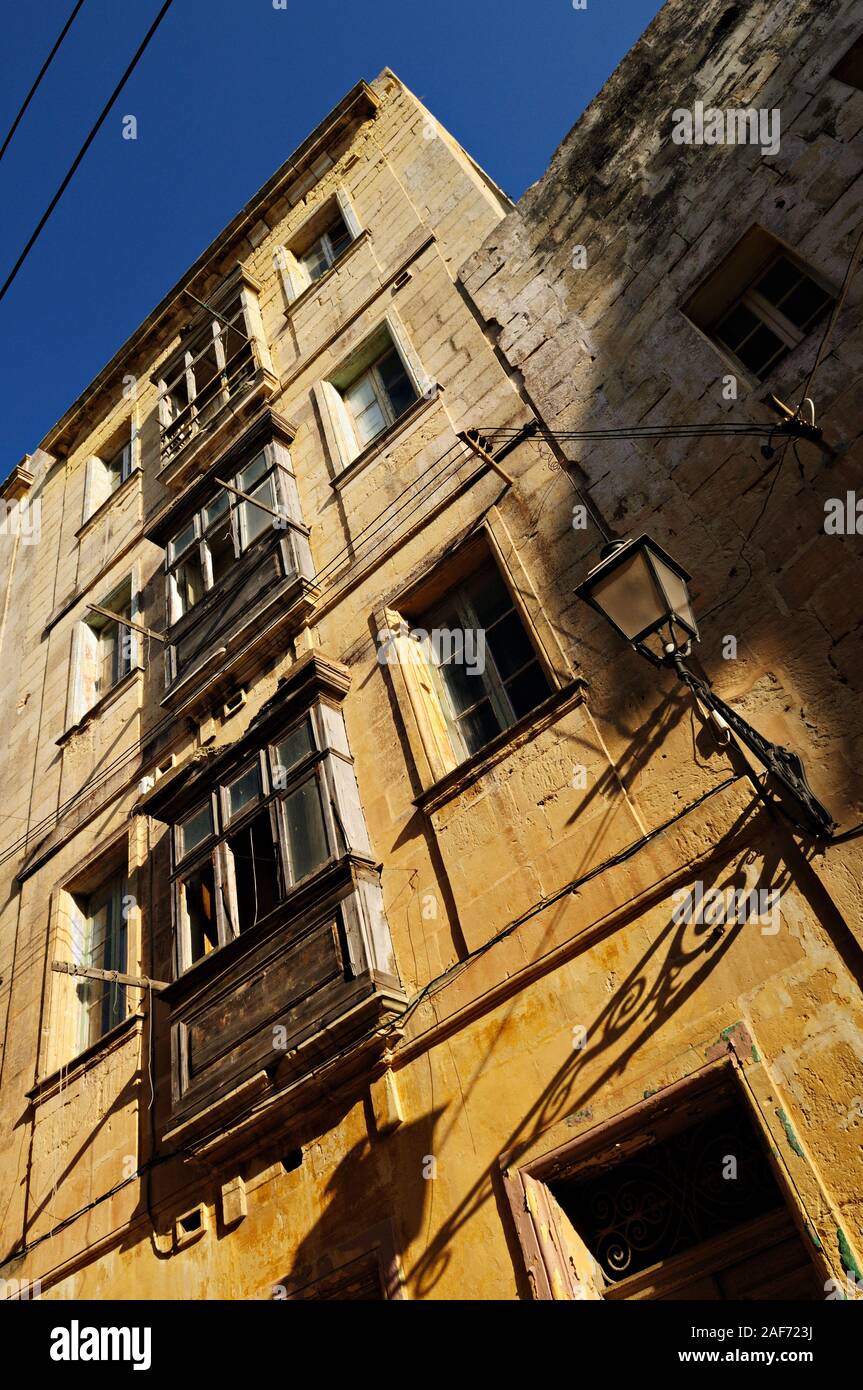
pixel 731 430
pixel 42 71
pixel 86 145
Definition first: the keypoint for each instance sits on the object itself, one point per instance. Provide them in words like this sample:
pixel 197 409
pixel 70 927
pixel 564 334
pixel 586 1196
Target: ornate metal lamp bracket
pixel 782 764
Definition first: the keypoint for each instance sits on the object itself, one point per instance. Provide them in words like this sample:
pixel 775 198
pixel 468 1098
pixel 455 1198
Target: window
pixel 203 551
pixel 219 357
pixel 119 466
pixel 268 826
pixel 378 397
pixel 369 392
pixel 325 251
pixel 773 315
pixel 675 1198
pixel 107 472
pixel 318 245
pixel 482 660
pixel 98 937
pixel 849 69
pixel 759 303
pixel 104 651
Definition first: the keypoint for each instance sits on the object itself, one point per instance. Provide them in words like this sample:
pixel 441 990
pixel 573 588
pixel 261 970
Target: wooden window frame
pixel 433 761
pixel 235 514
pixel 556 1261
pixel 731 282
pixel 294 274
pixel 770 316
pixel 87 636
pixel 101 481
pixel 237 302
pixel 341 814
pixel 494 687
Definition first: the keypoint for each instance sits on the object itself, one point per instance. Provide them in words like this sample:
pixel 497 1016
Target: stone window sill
pixel 526 728
pixel 69 1072
pixel 102 704
pixel 384 441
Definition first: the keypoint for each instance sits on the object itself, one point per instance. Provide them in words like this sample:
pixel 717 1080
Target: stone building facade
pixel 392 843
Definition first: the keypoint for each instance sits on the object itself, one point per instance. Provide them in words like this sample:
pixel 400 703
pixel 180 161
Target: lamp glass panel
pixel 628 596
pixel 676 592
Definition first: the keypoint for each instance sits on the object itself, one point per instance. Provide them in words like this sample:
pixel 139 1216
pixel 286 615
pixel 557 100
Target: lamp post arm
pixel 784 765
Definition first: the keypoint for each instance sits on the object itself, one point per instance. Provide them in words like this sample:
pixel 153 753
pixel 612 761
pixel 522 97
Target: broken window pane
pixel 189 583
pixel 257 876
pixel 221 547
pixel 198 891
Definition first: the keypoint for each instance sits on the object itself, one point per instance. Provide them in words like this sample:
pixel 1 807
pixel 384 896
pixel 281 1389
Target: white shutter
pixel 346 208
pixel 134 638
pixel 88 668
pixel 338 429
pixel 83 673
pixel 97 486
pixel 293 276
pixel 423 383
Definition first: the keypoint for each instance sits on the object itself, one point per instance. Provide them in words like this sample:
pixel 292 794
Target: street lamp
pixel 644 594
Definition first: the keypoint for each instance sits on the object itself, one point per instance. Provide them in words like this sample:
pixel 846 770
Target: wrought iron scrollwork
pixel 782 764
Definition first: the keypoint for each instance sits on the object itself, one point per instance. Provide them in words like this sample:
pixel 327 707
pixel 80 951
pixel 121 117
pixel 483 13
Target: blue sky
pixel 224 93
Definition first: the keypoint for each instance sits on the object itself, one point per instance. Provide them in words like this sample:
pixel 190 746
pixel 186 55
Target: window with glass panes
pixel 773 315
pixel 491 678
pixel 377 398
pixel 269 825
pixel 202 552
pixel 119 467
pixel 113 642
pixel 99 941
pixel 324 252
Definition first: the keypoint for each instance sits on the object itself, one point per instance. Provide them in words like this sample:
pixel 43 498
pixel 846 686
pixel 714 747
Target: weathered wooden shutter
pixel 84 673
pixel 570 1268
pixel 405 656
pixel 337 426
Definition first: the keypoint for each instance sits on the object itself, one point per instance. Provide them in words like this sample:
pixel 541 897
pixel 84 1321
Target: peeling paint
pixel 813 1235
pixel 789 1132
pixel 848 1260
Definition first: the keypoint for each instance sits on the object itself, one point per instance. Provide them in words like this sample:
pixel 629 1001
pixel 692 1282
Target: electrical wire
pixel 47 823
pixel 723 603
pixel 42 71
pixel 850 272
pixel 718 428
pixel 572 887
pixel 85 147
